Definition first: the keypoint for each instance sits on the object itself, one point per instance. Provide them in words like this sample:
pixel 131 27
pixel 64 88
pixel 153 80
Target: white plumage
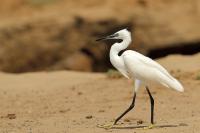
pixel 148 70
pixel 135 65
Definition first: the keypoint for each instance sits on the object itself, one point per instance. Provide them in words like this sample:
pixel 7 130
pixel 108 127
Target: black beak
pixel 103 38
pixel 107 37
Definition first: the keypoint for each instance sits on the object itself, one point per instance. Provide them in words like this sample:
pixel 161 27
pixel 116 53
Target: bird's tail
pixel 175 84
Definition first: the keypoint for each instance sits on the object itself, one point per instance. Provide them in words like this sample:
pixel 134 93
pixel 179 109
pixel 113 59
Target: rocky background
pixel 49 35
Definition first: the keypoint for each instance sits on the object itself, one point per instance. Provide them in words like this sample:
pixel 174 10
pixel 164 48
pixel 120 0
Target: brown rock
pixel 39 41
pixel 77 61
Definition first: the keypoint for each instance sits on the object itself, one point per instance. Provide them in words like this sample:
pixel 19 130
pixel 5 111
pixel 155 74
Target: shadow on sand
pixel 143 126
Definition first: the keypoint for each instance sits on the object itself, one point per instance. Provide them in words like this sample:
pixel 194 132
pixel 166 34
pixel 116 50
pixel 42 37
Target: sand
pixel 75 102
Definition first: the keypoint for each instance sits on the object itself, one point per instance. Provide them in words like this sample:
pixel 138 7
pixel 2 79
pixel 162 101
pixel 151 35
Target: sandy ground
pixel 74 102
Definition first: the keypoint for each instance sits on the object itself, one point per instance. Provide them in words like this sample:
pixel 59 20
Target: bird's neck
pixel 115 59
pixel 117 47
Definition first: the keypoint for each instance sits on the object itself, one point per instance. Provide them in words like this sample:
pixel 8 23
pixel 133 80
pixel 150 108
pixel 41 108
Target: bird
pixel 142 69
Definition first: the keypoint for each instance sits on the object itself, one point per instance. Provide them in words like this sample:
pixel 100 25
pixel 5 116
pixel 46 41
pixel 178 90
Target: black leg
pixel 152 105
pixel 127 110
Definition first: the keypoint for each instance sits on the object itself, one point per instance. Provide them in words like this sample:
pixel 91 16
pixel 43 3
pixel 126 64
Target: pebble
pixel 139 122
pixel 89 117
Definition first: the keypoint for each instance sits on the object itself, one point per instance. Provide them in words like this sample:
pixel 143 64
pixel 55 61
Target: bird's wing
pixel 150 63
pixel 142 62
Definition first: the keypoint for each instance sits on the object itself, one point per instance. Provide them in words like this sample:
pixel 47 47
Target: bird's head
pixel 122 34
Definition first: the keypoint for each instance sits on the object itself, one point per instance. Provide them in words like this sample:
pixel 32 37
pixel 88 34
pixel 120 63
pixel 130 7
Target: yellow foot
pixel 106 126
pixel 149 127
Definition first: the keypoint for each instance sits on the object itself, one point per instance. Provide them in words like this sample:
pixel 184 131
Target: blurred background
pixel 37 35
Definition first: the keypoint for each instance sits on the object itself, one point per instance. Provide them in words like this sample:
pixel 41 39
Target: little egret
pixel 140 68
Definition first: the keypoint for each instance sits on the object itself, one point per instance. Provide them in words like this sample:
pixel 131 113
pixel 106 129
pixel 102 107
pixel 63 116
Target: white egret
pixel 140 68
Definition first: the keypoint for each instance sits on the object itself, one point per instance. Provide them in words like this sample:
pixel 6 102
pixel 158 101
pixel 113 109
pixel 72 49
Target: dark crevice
pixel 99 65
pixel 87 52
pixel 184 48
